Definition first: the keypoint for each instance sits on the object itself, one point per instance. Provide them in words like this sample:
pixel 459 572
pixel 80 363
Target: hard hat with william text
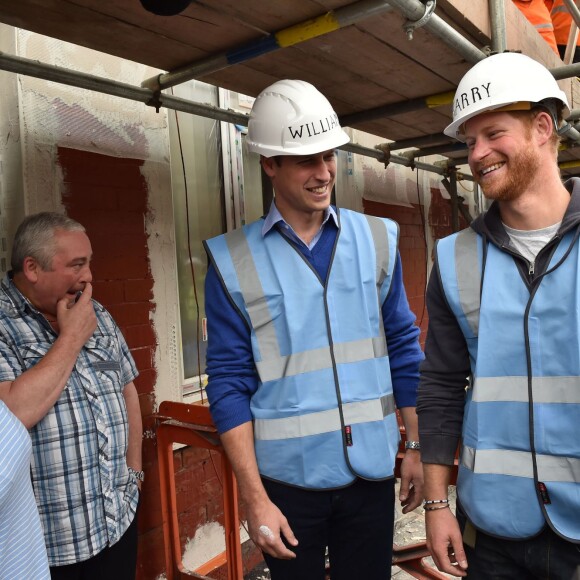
pixel 499 81
pixel 292 117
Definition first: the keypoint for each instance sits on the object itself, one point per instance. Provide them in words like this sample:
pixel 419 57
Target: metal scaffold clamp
pixel 411 25
pixel 385 149
pixel 155 101
pixel 410 155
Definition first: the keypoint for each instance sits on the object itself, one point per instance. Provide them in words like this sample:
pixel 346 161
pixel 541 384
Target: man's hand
pixel 444 542
pixel 78 318
pixel 267 525
pixel 411 489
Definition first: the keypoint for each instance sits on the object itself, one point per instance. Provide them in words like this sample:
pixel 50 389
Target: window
pixel 217 186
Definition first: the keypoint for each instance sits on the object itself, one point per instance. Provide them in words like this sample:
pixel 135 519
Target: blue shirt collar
pixel 274 217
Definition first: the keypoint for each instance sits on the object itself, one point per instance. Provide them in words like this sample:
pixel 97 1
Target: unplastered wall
pixel 54 116
pixel 364 178
pixel 415 199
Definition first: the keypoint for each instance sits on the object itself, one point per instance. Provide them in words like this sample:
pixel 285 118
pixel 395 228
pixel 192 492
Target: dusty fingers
pixel 271 543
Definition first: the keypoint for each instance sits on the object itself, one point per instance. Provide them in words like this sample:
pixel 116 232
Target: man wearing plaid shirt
pixel 67 374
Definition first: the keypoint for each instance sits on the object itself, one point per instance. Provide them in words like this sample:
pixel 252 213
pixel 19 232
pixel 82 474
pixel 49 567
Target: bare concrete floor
pixel 409 529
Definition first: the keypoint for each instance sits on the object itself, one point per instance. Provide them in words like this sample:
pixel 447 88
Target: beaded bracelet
pixel 439 507
pixel 432 501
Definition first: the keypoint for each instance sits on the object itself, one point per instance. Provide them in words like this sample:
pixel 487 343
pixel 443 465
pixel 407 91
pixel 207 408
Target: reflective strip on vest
pixel 381 243
pixel 551 468
pixel 519 430
pixel 251 287
pixel 315 360
pixel 322 364
pixel 546 389
pixel 468 279
pixel 324 421
pixel 562 21
pixel 273 365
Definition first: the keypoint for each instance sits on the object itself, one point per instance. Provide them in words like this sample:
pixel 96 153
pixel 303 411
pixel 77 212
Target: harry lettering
pixel 314 127
pixel 468 98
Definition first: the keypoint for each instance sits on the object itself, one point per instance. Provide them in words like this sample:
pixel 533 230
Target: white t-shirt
pixel 529 242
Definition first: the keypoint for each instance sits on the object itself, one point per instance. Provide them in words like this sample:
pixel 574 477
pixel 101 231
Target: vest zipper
pixel 531 266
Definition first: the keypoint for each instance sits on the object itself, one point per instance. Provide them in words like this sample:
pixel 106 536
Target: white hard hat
pixel 498 81
pixel 293 118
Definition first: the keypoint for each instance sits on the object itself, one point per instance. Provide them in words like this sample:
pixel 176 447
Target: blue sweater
pixel 230 363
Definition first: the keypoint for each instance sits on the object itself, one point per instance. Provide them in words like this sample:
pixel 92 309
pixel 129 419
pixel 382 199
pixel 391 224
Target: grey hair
pixel 35 238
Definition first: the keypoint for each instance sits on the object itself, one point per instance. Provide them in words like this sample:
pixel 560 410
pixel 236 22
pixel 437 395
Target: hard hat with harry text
pixel 499 81
pixel 292 117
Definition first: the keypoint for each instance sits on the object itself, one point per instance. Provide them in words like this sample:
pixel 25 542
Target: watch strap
pixel 138 475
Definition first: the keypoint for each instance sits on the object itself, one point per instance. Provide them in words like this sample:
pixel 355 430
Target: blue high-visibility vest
pixel 324 411
pixel 520 456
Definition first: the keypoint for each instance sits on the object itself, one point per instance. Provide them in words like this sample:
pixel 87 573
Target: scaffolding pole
pixel 400 108
pixel 432 101
pixel 566 71
pixel 380 155
pixel 413 10
pixel 284 38
pixel 573 33
pixel 424 141
pixel 498 29
pixel 33 68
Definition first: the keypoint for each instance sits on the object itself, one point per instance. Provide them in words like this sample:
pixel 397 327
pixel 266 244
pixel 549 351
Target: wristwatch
pixel 138 475
pixel 412 445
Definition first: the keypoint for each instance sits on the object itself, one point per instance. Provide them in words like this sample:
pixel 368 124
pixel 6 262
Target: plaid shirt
pixel 85 494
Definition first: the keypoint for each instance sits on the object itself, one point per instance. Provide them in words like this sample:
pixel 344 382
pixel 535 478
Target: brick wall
pixel 108 195
pixel 413 252
pixel 413 247
pixel 440 216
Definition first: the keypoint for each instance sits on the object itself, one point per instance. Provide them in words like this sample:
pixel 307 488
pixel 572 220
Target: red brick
pixel 139 290
pixel 124 244
pixel 145 382
pixel 121 267
pixel 194 456
pixel 133 199
pixel 188 489
pixel 139 335
pixel 83 167
pixel 143 357
pixel 106 222
pixel 215 509
pixel 93 198
pixel 214 465
pixel 131 313
pixel 150 514
pixel 108 292
pixel 177 460
pixel 147 404
pixel 149 453
pixel 128 175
